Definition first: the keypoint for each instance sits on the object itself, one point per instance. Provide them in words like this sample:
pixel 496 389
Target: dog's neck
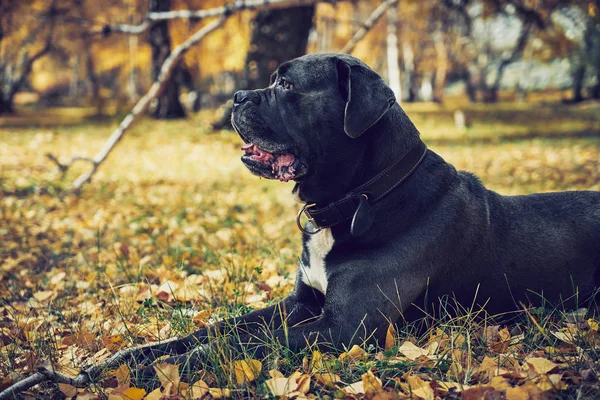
pixel 386 142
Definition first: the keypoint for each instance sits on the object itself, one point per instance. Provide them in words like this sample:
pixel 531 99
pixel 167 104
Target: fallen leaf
pixel 246 370
pixel 327 379
pixel 68 390
pixel 281 386
pixel 167 373
pixel 133 394
pixel 355 353
pixel 411 351
pixel 541 365
pixel 390 337
pixel 371 384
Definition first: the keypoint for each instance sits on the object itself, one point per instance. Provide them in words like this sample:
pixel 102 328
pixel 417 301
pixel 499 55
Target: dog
pixel 391 226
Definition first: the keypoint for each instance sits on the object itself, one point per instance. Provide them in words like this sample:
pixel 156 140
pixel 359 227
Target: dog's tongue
pixel 281 164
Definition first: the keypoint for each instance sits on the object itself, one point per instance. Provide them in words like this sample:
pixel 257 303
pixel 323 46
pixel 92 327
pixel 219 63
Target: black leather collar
pixel 363 196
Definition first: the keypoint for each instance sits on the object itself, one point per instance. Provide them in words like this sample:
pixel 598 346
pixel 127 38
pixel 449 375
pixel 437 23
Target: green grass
pixel 174 203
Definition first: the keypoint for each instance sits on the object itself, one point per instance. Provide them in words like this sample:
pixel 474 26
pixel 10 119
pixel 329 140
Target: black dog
pixel 392 225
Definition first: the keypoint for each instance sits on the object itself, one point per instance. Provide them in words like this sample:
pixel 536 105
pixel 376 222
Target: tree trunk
pixel 6 104
pixel 596 89
pixel 578 81
pixel 167 105
pixel 492 93
pixel 278 35
pixel 392 55
pixel 441 68
pixel 409 70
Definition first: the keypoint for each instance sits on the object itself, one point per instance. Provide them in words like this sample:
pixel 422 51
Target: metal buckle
pixel 304 210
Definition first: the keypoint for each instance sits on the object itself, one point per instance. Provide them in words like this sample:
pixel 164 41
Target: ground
pixel 174 233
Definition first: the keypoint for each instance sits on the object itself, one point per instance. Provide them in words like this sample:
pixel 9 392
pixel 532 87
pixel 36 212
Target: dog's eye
pixel 286 84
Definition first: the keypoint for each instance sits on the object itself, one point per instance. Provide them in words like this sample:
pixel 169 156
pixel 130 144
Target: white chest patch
pixel 315 275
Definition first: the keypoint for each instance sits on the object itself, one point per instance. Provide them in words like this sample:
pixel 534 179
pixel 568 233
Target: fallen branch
pixel 91 375
pixel 366 27
pixel 64 167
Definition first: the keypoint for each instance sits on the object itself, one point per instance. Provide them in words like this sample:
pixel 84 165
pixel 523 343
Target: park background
pixel 171 232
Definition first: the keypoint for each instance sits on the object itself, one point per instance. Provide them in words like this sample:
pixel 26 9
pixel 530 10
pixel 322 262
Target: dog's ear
pixel 367 97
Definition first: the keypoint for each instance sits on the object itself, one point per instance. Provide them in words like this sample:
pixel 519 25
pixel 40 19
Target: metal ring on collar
pixel 311 220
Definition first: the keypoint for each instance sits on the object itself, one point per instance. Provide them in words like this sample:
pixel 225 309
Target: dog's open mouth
pixel 281 164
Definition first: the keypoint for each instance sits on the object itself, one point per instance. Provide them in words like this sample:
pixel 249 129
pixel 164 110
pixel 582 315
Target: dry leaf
pixel 390 337
pixel 371 384
pixel 122 374
pixel 420 388
pixel 541 365
pixel 246 370
pixel 219 393
pixel 281 386
pixel 355 353
pixel 167 373
pixel 316 363
pixel 197 390
pixel 68 390
pixel 133 394
pixel 411 351
pixel 327 379
pixel 156 394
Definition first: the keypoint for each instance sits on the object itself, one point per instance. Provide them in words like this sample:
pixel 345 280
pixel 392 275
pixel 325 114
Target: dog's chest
pixel 316 249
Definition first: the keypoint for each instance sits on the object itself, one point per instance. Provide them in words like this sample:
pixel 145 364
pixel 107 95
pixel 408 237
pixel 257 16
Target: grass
pixel 174 233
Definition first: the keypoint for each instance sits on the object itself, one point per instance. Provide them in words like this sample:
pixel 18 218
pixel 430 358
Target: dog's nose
pixel 240 96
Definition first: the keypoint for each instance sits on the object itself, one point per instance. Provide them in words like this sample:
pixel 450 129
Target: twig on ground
pixel 148 352
pixel 368 24
pixel 64 167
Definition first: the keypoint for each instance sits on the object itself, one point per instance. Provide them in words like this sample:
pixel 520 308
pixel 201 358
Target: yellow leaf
pixel 354 388
pixel 420 388
pixel 389 337
pixel 219 393
pixel 43 295
pixel 551 382
pixel 246 370
pixel 526 391
pixel 355 353
pixel 275 374
pixel 316 364
pixel 122 374
pixel 281 386
pixel 156 394
pixel 167 373
pixel 68 390
pixel 371 383
pixel 133 394
pixel 411 351
pixel 593 324
pixel 198 390
pixel 541 365
pixel 327 379
pixel 303 384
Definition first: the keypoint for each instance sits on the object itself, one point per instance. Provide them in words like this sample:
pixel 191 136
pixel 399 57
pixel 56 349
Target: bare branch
pixel 64 167
pixel 366 27
pixel 196 15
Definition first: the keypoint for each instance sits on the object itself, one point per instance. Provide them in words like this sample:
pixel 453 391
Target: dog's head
pixel 309 123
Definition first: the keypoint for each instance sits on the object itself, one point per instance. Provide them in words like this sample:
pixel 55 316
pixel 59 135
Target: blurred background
pixel 63 53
